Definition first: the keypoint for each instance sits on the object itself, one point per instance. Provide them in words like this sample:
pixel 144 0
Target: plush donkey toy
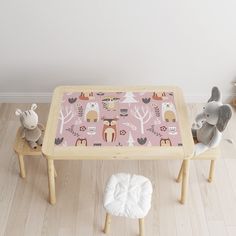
pixel 211 122
pixel 31 129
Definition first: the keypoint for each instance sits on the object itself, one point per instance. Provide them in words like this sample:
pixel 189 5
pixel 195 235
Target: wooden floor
pixel 24 209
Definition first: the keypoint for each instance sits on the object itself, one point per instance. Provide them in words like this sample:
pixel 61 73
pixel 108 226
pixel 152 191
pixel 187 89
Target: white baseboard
pixel 196 98
pixel 203 98
pixel 25 97
pixel 46 97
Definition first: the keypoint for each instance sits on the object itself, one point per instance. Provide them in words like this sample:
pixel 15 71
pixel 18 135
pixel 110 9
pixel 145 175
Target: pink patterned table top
pixel 118 119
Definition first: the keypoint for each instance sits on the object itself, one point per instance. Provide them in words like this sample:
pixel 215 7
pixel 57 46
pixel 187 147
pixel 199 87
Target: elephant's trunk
pixel 199 120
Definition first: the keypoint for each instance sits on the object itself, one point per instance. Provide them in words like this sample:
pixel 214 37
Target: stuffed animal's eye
pixel 204 108
pixel 208 115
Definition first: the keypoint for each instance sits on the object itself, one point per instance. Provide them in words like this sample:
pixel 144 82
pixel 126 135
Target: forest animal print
pixel 168 112
pixel 92 112
pixel 81 142
pixel 165 142
pixel 110 103
pixel 159 95
pixel 86 96
pixel 122 118
pixel 109 131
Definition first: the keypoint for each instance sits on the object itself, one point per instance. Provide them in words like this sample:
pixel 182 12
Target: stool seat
pixel 211 154
pixel 22 147
pixel 128 195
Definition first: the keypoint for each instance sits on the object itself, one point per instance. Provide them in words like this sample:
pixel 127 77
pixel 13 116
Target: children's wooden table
pixel 117 123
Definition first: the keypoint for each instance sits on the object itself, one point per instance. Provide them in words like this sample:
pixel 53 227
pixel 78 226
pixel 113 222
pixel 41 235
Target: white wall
pixel 187 43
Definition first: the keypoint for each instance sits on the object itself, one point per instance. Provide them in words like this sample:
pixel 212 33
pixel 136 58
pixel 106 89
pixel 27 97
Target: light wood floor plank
pixel 152 221
pixel 209 194
pixel 231 230
pixel 217 228
pixel 167 201
pixel 196 207
pixel 181 213
pixel 231 166
pixel 8 172
pixel 226 194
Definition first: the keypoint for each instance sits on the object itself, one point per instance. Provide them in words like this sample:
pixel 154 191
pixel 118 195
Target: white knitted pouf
pixel 128 196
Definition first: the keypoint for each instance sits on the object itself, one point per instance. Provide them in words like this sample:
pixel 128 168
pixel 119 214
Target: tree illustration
pixel 129 98
pixel 149 144
pixel 130 140
pixel 143 115
pixel 66 116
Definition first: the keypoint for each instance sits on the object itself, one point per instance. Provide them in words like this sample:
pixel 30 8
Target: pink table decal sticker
pixel 118 119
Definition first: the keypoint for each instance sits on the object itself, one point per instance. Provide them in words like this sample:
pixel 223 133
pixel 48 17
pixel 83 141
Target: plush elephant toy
pixel 32 131
pixel 210 123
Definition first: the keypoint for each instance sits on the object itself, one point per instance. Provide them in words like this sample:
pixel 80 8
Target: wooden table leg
pixel 51 182
pixel 180 175
pixel 185 176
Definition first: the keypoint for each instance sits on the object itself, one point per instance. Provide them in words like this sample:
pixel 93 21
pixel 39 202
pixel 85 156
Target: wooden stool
pixel 128 196
pixel 22 149
pixel 211 154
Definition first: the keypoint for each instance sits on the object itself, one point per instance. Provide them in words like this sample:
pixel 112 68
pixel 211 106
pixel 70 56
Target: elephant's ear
pixel 215 95
pixel 225 113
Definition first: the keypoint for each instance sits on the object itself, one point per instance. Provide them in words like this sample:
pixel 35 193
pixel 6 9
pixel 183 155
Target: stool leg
pixel 141 227
pixel 107 224
pixel 22 165
pixel 184 189
pixel 212 170
pixel 180 175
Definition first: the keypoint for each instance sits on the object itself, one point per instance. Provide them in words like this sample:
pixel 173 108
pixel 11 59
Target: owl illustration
pixel 165 142
pixel 81 142
pixel 109 103
pixel 91 113
pixel 168 112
